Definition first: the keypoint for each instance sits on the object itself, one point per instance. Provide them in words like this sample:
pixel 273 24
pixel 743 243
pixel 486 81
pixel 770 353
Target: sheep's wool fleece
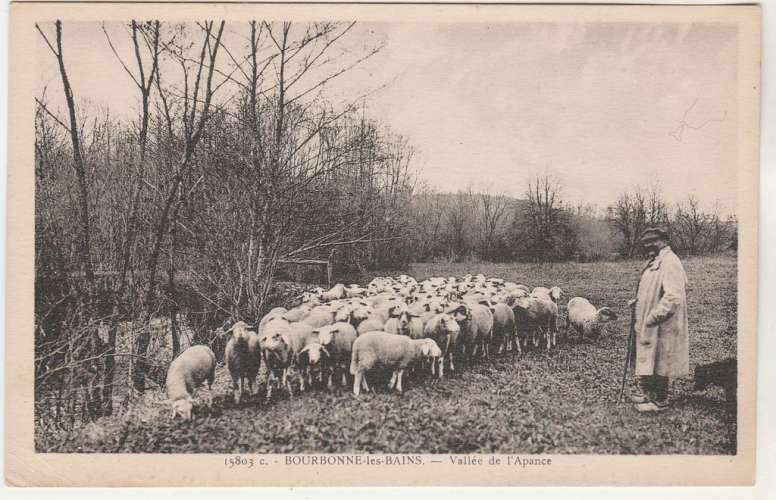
pixel 662 349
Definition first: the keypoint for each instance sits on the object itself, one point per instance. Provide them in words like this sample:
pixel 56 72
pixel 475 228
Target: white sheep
pixel 336 292
pixel 274 313
pixel 188 371
pixel 476 322
pixel 396 352
pixel 537 316
pixel 444 330
pixel 320 316
pixel 281 342
pixel 586 319
pixel 296 314
pixel 371 324
pixel 504 335
pixel 404 322
pixel 553 294
pixel 243 359
pixel 338 339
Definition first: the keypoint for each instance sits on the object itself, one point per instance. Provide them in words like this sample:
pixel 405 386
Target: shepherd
pixel 662 336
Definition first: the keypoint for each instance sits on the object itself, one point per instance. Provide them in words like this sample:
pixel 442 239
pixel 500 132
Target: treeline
pixel 235 163
pixel 473 225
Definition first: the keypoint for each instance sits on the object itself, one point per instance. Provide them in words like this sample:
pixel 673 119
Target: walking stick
pixel 630 352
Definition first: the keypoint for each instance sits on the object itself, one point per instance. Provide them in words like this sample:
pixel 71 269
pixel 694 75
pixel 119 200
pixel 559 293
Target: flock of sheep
pixel 398 324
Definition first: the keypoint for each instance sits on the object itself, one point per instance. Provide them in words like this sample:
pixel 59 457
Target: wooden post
pixel 328 273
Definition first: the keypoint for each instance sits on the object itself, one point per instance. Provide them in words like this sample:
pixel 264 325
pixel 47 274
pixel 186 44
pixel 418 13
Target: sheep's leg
pixel 290 388
pixel 392 383
pixel 209 396
pixel 270 382
pixel 330 383
pixel 236 390
pixel 364 383
pixel 345 376
pixel 357 383
pixel 398 380
pixel 441 367
pixel 452 366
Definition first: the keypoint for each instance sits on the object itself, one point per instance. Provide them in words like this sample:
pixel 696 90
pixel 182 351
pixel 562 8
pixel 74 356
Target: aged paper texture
pixel 386 245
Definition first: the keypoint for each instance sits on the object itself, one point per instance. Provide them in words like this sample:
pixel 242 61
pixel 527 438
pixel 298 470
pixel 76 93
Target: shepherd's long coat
pixel 661 318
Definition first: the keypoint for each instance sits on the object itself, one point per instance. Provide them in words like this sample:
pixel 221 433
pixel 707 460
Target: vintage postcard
pixel 354 244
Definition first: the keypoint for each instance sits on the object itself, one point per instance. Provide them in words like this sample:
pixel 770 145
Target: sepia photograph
pixel 423 239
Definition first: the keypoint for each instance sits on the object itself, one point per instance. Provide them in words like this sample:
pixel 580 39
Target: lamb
pixel 188 371
pixel 444 330
pixel 539 316
pixel 338 339
pixel 404 322
pixel 586 319
pixel 243 359
pixel 396 352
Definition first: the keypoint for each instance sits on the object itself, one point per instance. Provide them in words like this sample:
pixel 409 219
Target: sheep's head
pixel 606 314
pixel 555 293
pixel 449 323
pixel 343 313
pixel 460 312
pixel 314 352
pixel 430 349
pixel 489 304
pixel 240 332
pixel 326 334
pixel 273 342
pixel 182 408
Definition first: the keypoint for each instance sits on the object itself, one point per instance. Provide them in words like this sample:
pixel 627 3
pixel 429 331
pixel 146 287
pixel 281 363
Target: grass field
pixel 561 402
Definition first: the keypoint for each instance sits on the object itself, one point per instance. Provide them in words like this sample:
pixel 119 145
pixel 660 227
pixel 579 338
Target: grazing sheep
pixel 538 316
pixel 404 322
pixel 396 352
pixel 187 372
pixel 243 358
pixel 338 339
pixel 586 319
pixel 444 330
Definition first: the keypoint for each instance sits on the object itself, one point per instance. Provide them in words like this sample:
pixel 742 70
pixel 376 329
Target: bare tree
pixel 194 120
pixel 691 225
pixel 492 209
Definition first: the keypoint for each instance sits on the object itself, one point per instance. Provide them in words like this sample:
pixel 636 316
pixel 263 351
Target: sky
pixel 602 107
